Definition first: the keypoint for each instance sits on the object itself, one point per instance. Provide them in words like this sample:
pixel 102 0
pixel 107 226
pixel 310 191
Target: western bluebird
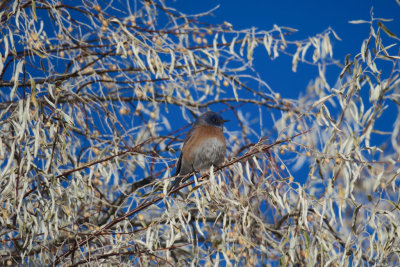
pixel 204 146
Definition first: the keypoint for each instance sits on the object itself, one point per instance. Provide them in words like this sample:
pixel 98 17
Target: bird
pixel 203 146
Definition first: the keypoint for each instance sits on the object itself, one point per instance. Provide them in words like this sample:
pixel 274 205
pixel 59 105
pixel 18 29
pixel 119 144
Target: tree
pixel 89 96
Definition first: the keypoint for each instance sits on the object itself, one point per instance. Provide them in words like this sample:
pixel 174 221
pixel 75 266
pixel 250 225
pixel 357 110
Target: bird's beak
pixel 225 120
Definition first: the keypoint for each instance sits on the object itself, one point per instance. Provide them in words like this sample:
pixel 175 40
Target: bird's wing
pixel 189 135
pixel 177 181
pixel 178 165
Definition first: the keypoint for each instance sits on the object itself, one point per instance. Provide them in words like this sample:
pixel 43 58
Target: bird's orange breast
pixel 201 134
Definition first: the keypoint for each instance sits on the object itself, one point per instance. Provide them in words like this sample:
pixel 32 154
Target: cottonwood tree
pixel 96 99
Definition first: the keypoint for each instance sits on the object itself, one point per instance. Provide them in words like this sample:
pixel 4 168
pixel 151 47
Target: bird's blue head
pixel 211 118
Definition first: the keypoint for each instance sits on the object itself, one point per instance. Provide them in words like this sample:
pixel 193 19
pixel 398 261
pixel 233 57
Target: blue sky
pixel 310 17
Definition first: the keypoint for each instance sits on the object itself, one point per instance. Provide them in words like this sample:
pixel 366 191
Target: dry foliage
pixel 90 96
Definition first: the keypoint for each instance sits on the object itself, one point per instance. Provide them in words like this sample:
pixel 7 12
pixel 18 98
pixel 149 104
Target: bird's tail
pixel 175 183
